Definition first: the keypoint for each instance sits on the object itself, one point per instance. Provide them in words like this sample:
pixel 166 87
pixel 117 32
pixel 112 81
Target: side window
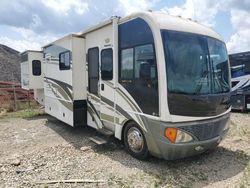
pixel 107 64
pixel 127 64
pixel 36 67
pixel 64 60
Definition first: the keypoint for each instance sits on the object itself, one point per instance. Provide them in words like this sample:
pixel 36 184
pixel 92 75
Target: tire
pixel 135 142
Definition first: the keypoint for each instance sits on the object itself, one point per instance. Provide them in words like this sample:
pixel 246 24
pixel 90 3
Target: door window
pixel 107 64
pixel 93 70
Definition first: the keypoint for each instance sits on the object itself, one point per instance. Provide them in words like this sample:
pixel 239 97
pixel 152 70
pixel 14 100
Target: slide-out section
pixel 64 80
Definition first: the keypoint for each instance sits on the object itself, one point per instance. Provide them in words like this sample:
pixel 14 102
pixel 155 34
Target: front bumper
pixel 208 134
pixel 171 151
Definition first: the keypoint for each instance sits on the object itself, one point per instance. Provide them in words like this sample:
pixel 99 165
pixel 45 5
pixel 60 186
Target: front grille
pixel 208 130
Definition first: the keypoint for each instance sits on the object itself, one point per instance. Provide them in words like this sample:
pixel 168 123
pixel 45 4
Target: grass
pixel 22 114
pixel 24 110
pixel 23 105
pixel 10 106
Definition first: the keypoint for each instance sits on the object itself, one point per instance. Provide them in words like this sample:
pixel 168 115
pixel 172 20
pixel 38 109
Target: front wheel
pixel 135 142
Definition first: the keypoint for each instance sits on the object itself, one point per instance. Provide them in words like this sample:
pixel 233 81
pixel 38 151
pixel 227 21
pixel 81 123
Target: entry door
pixel 107 90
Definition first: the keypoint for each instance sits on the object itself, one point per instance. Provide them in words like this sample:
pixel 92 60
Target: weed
pixel 23 114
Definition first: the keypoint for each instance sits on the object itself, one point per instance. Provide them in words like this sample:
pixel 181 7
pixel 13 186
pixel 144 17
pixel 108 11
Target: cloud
pixel 20 45
pixel 64 6
pixel 240 40
pixel 240 18
pixel 42 16
pixel 29 40
pixel 130 6
pixel 205 13
pixel 64 16
pixel 202 11
pixel 37 22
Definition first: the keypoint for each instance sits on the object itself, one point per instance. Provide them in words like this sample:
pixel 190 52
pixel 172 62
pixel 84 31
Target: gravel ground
pixel 38 149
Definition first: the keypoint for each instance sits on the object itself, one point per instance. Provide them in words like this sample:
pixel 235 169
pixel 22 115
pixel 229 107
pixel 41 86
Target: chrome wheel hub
pixel 135 139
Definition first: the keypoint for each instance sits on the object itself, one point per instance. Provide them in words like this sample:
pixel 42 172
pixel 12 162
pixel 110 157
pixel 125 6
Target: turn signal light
pixel 171 134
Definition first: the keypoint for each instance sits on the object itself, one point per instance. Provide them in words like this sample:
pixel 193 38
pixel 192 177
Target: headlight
pixel 175 135
pixel 183 137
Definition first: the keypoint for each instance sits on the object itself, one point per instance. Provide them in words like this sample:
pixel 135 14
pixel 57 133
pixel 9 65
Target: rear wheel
pixel 135 142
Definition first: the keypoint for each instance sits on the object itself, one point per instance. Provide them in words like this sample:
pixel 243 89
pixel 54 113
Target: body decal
pixel 64 98
pixel 66 87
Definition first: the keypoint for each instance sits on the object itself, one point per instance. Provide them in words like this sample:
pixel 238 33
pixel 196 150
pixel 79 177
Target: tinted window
pixel 187 64
pixel 36 67
pixel 67 59
pixel 195 64
pixel 145 67
pixel 93 70
pixel 237 71
pixel 53 51
pixel 145 84
pixel 107 64
pixel 240 60
pixel 135 32
pixel 137 64
pixel 127 64
pixel 219 63
pixel 64 60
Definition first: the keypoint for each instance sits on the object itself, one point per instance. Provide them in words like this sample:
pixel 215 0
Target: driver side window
pixel 137 64
pixel 139 76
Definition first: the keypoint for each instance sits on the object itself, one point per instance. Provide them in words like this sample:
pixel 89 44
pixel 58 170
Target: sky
pixel 30 24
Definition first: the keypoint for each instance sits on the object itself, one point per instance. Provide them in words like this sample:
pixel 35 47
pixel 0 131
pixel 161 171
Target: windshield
pixel 237 71
pixel 195 64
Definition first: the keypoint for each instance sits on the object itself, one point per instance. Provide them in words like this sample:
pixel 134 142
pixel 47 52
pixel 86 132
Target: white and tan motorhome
pixel 158 83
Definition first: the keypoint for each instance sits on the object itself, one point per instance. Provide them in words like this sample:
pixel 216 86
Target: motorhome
pixel 240 71
pixel 158 83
